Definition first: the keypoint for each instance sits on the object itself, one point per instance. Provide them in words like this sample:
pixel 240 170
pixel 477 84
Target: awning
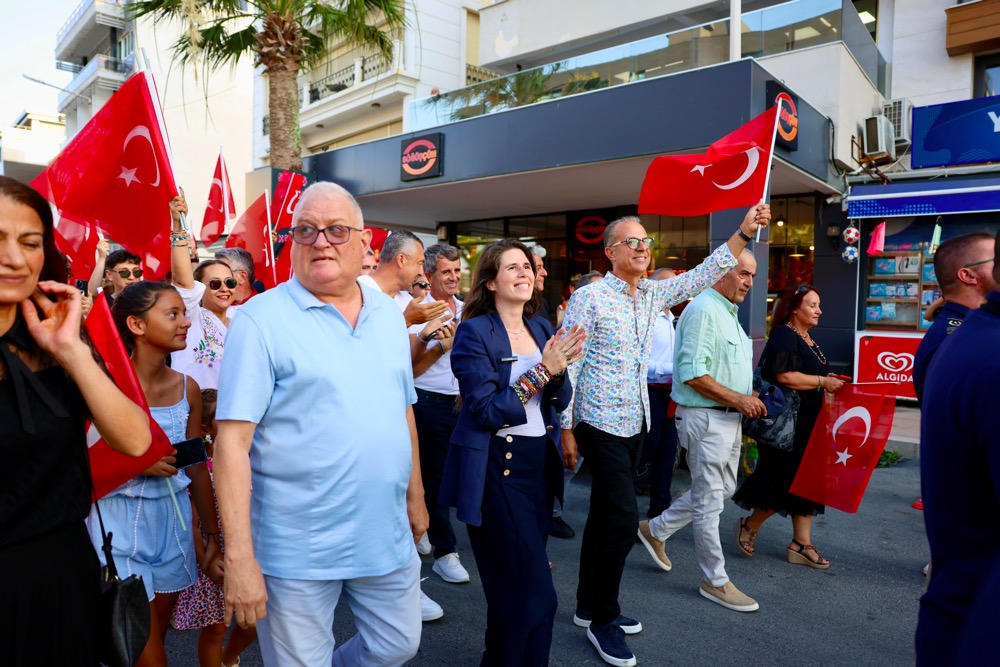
pixel 930 197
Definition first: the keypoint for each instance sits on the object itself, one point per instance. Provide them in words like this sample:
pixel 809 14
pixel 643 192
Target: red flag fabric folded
pixel 220 207
pixel 730 174
pixel 115 174
pixel 111 468
pixel 252 232
pixel 79 243
pixel 846 443
pixel 286 196
pixel 877 244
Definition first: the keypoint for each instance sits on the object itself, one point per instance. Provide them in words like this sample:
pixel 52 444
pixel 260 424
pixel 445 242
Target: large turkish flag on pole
pixel 286 197
pixel 112 468
pixel 115 174
pixel 252 232
pixel 846 443
pixel 731 173
pixel 220 207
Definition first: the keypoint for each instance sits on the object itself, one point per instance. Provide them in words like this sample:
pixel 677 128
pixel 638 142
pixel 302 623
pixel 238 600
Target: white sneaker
pixel 424 547
pixel 429 609
pixel 449 568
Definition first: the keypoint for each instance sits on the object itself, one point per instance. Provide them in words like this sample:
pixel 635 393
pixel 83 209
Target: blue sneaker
pixel 609 640
pixel 629 626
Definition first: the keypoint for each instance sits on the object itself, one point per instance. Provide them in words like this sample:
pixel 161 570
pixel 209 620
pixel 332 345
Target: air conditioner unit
pixel 900 112
pixel 879 140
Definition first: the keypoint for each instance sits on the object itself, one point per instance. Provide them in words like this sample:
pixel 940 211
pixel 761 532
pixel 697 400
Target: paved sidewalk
pixel 905 435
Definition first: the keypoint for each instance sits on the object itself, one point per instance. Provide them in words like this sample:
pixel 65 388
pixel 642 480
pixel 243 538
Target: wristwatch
pixel 739 230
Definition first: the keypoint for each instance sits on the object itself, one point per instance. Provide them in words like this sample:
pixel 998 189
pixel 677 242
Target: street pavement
pixel 862 611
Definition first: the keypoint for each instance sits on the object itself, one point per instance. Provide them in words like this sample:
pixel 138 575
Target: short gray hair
pixel 326 189
pixel 397 243
pixel 439 251
pixel 655 275
pixel 588 278
pixel 238 259
pixel 609 231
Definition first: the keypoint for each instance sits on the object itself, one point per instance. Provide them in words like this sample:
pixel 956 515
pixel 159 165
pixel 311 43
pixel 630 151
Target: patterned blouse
pixel 609 382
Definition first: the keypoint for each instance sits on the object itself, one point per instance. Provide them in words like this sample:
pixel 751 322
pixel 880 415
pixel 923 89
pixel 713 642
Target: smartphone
pixel 190 452
pixel 82 285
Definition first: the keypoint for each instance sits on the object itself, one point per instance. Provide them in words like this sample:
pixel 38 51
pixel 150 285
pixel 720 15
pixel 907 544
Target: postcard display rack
pixel 901 284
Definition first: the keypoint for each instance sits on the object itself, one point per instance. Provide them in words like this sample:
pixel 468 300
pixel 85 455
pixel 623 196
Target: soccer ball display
pixel 851 235
pixel 850 254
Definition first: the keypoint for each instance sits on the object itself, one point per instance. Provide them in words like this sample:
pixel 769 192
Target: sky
pixel 27 46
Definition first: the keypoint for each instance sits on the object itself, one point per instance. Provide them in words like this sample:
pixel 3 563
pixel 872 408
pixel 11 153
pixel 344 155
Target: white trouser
pixel 298 628
pixel 712 440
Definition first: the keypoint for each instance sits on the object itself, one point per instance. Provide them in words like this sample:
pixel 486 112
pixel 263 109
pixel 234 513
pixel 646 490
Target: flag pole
pixel 269 241
pixel 770 157
pixel 225 190
pixel 154 96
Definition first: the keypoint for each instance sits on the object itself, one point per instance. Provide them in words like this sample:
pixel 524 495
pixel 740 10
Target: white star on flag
pixel 128 175
pixel 700 168
pixel 843 456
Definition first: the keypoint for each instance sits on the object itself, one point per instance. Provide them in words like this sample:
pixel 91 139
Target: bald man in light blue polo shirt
pixel 315 410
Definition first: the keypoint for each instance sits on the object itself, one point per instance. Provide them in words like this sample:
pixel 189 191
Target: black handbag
pixel 776 431
pixel 123 625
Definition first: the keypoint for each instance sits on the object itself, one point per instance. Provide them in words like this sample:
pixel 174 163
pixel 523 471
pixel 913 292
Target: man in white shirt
pixel 659 454
pixel 402 262
pixel 436 411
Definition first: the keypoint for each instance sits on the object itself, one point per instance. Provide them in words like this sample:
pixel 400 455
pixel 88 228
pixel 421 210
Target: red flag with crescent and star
pixel 252 232
pixel 115 175
pixel 731 173
pixel 220 207
pixel 111 468
pixel 844 448
pixel 286 196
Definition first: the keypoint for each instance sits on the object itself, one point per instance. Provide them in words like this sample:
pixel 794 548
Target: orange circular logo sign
pixel 788 118
pixel 419 157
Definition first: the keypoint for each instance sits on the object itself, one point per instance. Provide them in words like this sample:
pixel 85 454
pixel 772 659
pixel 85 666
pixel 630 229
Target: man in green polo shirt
pixel 713 388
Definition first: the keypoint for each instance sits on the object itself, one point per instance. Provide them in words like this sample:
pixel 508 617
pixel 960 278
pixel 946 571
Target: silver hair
pixel 238 259
pixel 397 243
pixel 609 231
pixel 588 278
pixel 438 251
pixel 326 189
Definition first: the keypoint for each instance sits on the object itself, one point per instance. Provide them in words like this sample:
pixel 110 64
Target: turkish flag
pixel 115 174
pixel 112 468
pixel 844 448
pixel 730 174
pixel 286 196
pixel 252 232
pixel 79 243
pixel 220 207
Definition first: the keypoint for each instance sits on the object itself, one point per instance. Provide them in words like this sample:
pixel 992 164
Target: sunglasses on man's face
pixel 124 273
pixel 215 284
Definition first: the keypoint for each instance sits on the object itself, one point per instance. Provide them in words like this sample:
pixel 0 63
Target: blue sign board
pixel 935 197
pixel 966 132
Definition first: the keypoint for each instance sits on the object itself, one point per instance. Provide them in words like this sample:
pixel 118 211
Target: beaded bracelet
pixel 531 382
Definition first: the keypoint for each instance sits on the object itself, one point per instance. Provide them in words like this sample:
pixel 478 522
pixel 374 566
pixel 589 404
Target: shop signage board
pixel 788 120
pixel 888 358
pixel 966 132
pixel 422 157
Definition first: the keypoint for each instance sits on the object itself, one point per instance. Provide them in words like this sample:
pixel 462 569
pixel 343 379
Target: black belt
pixel 722 408
pixel 434 395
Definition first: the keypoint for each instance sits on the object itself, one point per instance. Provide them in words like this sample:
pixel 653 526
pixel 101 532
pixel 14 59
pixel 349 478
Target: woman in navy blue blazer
pixel 504 466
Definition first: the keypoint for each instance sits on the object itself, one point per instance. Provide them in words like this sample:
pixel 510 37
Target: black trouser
pixel 660 449
pixel 436 415
pixel 612 522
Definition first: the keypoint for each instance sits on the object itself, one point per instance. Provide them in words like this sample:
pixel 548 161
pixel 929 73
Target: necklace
pixel 515 333
pixel 810 343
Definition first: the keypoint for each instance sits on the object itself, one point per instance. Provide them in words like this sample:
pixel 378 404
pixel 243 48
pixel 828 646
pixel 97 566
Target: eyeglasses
pixel 972 264
pixel 422 285
pixel 633 242
pixel 215 284
pixel 124 273
pixel 335 234
pixel 804 287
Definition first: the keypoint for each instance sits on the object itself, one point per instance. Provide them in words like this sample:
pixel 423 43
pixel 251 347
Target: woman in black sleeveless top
pixel 49 384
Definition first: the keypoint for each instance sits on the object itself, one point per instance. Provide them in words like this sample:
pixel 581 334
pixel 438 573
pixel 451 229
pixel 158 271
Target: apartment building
pixel 30 143
pixel 100 44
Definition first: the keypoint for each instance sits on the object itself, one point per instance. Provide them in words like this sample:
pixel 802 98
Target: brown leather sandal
pixel 746 547
pixel 798 557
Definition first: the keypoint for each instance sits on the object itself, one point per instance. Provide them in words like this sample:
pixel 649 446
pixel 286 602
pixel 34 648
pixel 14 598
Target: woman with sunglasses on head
pixel 50 384
pixel 794 361
pixel 208 293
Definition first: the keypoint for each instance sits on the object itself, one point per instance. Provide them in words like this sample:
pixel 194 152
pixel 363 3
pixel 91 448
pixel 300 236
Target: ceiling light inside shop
pixel 807 32
pixel 866 17
pixel 797 252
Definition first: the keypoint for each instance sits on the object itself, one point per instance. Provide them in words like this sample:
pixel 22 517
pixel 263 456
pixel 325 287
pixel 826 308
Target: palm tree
pixel 285 36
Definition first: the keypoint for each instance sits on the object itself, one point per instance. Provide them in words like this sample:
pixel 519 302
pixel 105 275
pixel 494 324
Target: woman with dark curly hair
pixel 793 361
pixel 50 384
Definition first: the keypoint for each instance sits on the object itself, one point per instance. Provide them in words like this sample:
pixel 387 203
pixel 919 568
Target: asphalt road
pixel 862 611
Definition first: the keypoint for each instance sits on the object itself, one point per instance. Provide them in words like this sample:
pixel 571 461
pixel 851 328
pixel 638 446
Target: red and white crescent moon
pixel 753 159
pixel 143 131
pixel 860 413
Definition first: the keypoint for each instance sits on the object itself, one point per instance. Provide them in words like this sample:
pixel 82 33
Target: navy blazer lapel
pixel 537 330
pixel 499 347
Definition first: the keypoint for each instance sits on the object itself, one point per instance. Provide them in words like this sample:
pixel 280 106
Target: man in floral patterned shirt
pixel 610 415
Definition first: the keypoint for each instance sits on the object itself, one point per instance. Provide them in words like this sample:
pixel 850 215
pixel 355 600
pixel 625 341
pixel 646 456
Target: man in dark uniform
pixel 964 268
pixel 960 476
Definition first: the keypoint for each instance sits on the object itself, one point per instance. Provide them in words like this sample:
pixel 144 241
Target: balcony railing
pixel 112 9
pixel 350 70
pixel 475 74
pixel 775 30
pixel 102 70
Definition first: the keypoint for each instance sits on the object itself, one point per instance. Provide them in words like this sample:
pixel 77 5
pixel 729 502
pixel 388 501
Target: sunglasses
pixel 124 273
pixel 633 242
pixel 215 284
pixel 335 234
pixel 422 285
pixel 971 264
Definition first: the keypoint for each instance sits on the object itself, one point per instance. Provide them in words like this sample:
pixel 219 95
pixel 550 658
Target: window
pixel 987 76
